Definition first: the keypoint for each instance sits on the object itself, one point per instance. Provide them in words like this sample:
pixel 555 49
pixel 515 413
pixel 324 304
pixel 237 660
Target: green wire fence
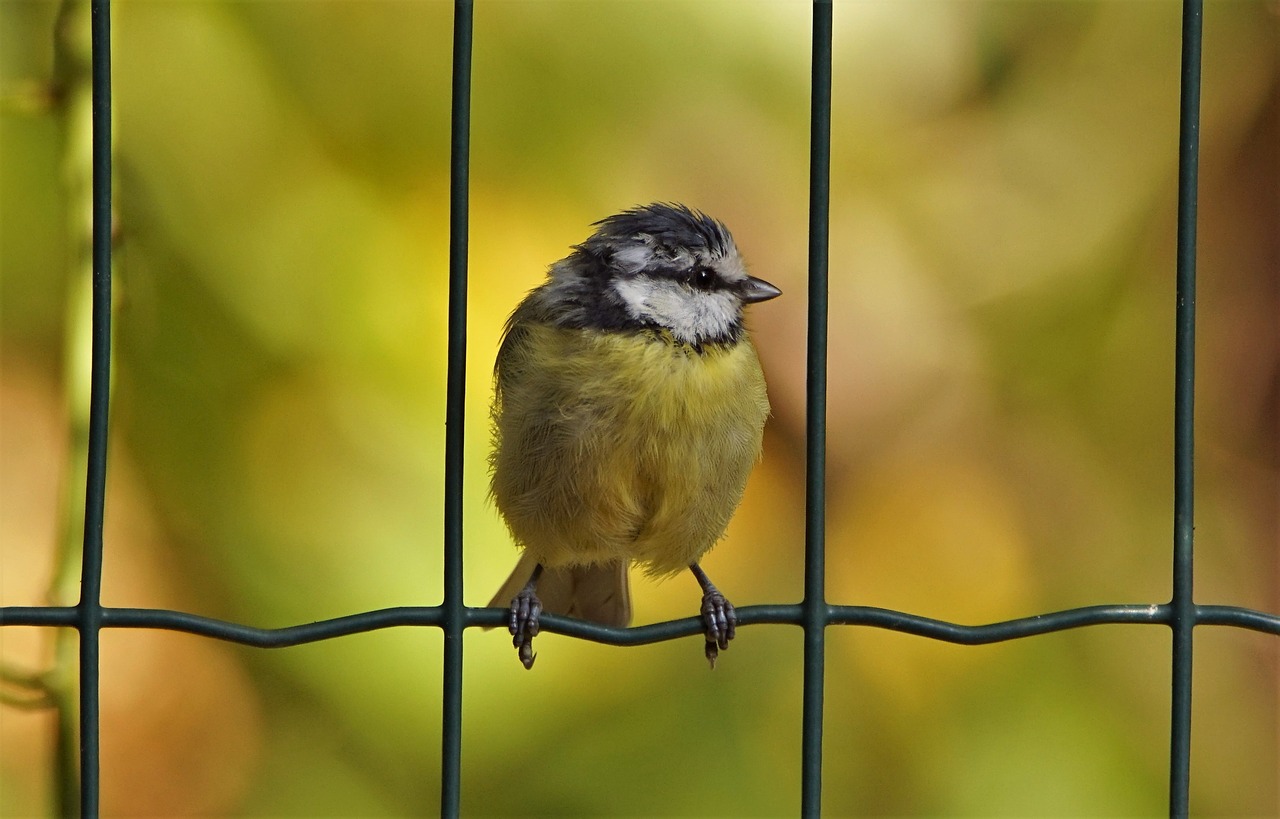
pixel 813 615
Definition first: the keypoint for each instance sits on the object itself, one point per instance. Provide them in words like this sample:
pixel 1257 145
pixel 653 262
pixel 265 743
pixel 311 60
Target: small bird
pixel 629 408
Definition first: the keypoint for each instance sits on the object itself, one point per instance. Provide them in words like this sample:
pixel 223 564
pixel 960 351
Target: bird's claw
pixel 719 622
pixel 526 609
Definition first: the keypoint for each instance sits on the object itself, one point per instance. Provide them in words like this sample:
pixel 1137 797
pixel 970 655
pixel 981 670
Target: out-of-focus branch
pixel 71 90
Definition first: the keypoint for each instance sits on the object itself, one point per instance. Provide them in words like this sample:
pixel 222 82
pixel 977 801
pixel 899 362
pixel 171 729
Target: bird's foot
pixel 719 622
pixel 526 609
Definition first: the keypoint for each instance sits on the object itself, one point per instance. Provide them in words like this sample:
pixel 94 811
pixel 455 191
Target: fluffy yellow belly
pixel 622 446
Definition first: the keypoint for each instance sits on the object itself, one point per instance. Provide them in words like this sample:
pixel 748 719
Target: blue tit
pixel 629 407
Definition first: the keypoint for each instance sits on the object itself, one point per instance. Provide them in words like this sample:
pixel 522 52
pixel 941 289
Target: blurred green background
pixel 1003 201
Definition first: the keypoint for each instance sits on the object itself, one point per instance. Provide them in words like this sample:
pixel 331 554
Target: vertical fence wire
pixel 455 400
pixel 815 612
pixel 1183 604
pixel 89 609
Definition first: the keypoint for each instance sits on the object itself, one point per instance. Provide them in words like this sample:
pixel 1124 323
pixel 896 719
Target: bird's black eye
pixel 702 278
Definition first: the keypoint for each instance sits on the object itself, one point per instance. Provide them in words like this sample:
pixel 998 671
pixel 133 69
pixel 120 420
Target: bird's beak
pixel 753 290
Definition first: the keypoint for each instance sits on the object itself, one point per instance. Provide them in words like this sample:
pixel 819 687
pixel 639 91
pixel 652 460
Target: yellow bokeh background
pixel 999 426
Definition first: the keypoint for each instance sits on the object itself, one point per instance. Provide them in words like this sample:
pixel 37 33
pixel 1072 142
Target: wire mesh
pixel 813 615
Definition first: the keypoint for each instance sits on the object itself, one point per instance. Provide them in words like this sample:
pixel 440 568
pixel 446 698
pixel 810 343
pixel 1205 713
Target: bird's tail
pixel 600 593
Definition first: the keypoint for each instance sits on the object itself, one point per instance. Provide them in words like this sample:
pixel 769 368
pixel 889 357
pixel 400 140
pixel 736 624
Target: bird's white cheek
pixel 716 314
pixel 690 316
pixel 635 295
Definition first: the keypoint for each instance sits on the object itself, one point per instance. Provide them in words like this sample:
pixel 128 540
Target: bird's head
pixel 659 266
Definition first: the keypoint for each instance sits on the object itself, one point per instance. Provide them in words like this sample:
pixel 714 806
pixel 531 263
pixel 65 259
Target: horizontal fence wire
pixel 758 615
pixel 813 615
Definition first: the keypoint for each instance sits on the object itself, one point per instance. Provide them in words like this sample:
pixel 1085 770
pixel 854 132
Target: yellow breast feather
pixel 631 446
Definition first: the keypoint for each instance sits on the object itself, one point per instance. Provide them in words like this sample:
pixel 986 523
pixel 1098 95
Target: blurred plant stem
pixel 69 94
pixel 72 80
